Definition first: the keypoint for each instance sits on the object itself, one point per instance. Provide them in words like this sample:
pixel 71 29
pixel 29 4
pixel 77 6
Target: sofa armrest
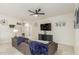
pixel 52 48
pixel 14 42
pixel 24 48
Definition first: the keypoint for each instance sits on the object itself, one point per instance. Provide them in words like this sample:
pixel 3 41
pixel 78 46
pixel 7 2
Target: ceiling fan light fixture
pixel 35 15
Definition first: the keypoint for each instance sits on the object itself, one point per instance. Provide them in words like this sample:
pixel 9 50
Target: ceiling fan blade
pixel 39 10
pixel 41 13
pixel 36 11
pixel 32 14
pixel 31 11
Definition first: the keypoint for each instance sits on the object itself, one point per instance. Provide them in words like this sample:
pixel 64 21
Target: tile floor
pixel 7 49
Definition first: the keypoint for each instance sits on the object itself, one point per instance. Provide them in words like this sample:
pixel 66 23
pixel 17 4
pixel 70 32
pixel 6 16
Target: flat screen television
pixel 46 27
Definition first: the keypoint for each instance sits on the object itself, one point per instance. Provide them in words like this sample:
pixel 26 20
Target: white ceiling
pixel 20 10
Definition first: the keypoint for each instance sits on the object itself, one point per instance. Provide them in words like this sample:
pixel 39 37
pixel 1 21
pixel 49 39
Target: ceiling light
pixel 27 24
pixel 15 30
pixel 35 15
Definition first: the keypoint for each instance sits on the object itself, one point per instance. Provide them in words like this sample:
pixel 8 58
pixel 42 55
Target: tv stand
pixel 45 33
pixel 45 37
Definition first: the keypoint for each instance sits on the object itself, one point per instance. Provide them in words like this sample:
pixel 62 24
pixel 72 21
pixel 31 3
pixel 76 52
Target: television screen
pixel 46 27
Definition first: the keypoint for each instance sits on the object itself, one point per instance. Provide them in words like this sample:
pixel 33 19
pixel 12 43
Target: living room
pixel 40 22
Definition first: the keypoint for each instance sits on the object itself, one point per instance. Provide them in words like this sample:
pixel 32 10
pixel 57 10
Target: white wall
pixel 6 33
pixel 76 41
pixel 62 35
pixel 65 35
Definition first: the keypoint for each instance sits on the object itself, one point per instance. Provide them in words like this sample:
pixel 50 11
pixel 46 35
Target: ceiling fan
pixel 36 12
